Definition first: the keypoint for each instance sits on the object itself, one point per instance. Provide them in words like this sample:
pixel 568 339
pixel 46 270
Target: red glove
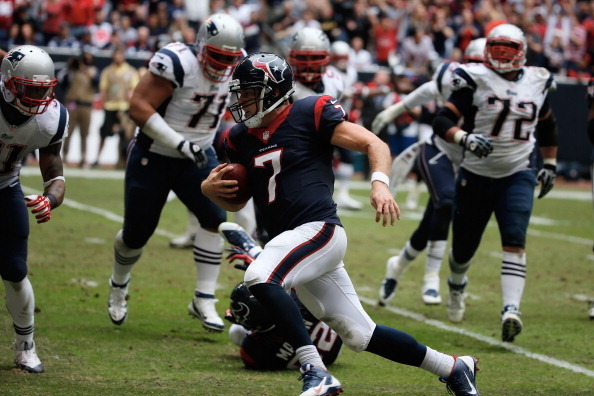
pixel 238 253
pixel 42 208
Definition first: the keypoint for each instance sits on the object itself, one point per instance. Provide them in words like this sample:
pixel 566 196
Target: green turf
pixel 160 350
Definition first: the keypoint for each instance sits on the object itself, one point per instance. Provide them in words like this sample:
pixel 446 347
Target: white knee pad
pixel 123 250
pixel 355 335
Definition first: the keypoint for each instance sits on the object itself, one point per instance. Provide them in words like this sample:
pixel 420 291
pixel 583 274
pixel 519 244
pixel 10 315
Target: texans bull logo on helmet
pixel 275 73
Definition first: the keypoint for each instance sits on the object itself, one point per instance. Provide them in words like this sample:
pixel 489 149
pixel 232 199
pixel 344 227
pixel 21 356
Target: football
pixel 240 174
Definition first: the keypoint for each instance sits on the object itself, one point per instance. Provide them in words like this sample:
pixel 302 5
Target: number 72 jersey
pixel 506 112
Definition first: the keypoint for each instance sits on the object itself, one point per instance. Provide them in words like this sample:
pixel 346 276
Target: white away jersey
pixel 332 85
pixel 39 131
pixel 443 85
pixel 507 113
pixel 197 104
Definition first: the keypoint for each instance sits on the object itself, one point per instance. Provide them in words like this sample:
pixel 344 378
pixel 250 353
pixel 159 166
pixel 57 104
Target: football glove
pixel 386 116
pixel 478 144
pixel 238 254
pixel 193 152
pixel 546 178
pixel 42 207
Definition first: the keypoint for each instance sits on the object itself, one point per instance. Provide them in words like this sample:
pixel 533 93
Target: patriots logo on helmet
pixel 211 28
pixel 159 66
pixel 275 73
pixel 14 58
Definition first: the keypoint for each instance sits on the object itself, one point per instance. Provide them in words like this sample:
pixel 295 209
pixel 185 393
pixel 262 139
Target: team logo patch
pixel 159 66
pixel 266 135
pixel 275 73
pixel 211 28
pixel 14 58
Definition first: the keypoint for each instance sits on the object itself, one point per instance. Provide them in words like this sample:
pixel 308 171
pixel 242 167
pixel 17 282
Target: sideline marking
pixel 479 337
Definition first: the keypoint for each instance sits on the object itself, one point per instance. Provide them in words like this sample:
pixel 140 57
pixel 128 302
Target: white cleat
pixel 185 241
pixel 456 305
pixel 345 201
pixel 430 289
pixel 26 358
pixel 511 324
pixel 117 306
pixel 387 290
pixel 204 309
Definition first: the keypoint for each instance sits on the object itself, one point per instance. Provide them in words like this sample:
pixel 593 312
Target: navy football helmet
pixel 248 311
pixel 261 79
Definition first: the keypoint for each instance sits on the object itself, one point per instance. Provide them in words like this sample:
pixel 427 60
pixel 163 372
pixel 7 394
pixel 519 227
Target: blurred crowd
pixel 407 35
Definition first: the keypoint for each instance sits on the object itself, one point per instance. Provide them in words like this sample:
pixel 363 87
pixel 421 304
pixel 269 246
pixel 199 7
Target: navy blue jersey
pixel 290 163
pixel 271 350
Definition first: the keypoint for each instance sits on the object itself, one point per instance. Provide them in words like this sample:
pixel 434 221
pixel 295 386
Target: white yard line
pixel 487 340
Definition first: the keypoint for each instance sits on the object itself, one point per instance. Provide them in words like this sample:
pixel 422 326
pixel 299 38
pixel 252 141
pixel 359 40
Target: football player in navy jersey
pixel 178 105
pixel 505 109
pixel 265 347
pixel 31 119
pixel 287 148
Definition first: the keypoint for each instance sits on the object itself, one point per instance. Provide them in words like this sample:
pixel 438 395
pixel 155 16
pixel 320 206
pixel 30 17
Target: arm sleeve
pixel 422 95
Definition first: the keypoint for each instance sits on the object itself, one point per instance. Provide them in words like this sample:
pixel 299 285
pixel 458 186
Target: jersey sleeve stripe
pixel 462 73
pixel 549 82
pixel 442 71
pixel 320 103
pixel 62 123
pixel 178 69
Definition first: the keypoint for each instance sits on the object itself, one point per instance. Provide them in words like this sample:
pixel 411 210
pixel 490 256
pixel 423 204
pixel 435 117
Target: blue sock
pixel 397 346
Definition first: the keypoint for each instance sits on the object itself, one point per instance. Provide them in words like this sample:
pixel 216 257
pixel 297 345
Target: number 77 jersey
pixel 506 112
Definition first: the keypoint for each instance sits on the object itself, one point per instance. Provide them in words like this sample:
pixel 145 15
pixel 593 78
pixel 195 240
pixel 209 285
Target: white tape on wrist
pixel 50 181
pixel 380 176
pixel 459 135
pixel 550 161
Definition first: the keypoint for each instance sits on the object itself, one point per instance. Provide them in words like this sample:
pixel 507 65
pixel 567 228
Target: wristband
pixel 380 176
pixel 550 161
pixel 459 135
pixel 53 200
pixel 50 181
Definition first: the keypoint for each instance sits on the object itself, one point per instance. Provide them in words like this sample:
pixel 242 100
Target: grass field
pixel 160 350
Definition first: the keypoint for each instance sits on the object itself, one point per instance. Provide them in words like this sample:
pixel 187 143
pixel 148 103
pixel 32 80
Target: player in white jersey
pixel 437 161
pixel 31 119
pixel 310 57
pixel 178 105
pixel 504 105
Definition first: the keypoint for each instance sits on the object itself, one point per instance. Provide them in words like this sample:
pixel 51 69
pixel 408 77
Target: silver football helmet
pixel 475 51
pixel 506 48
pixel 219 42
pixel 27 79
pixel 339 54
pixel 309 55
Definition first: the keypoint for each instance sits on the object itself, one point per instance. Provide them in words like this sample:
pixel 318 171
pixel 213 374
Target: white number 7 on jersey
pixel 274 158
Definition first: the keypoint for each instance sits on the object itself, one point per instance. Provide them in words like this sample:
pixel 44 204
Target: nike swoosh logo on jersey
pixel 333 101
pixel 434 159
pixel 472 388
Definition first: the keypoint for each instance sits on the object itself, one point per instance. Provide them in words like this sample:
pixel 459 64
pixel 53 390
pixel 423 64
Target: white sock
pixel 208 252
pixel 20 302
pixel 408 254
pixel 124 260
pixel 513 278
pixel 309 354
pixel 438 363
pixel 435 252
pixel 192 224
